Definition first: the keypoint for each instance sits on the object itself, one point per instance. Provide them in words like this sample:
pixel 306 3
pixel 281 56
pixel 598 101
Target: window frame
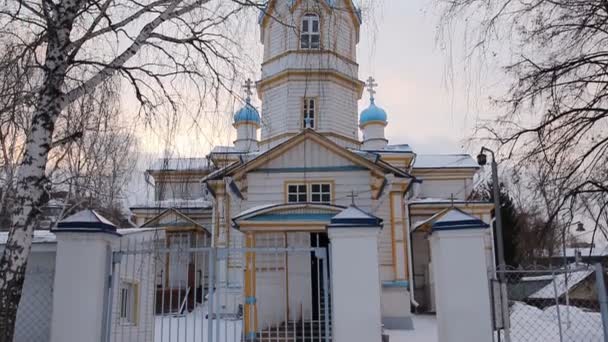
pixel 128 300
pixel 306 36
pixel 321 192
pixel 306 110
pixel 298 192
pixel 309 193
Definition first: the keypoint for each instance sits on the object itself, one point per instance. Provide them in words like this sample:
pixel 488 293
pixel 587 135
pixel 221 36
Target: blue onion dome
pixel 247 114
pixel 372 113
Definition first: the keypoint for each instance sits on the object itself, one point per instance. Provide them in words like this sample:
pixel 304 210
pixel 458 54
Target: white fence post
pixel 81 277
pixel 461 286
pixel 601 297
pixel 355 276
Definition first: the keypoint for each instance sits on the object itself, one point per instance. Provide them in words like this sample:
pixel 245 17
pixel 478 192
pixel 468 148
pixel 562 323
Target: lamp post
pixel 482 160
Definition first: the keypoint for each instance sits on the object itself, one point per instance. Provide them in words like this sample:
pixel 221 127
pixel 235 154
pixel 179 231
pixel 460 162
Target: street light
pixel 482 160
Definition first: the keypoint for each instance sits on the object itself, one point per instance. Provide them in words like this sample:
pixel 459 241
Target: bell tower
pixel 309 70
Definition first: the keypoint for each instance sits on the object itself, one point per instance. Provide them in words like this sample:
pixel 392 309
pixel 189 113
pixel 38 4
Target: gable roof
pixel 376 165
pixel 330 3
pixel 564 282
pixel 184 218
pixel 451 219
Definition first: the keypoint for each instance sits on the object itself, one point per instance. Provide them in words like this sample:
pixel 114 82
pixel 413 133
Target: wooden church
pixel 303 156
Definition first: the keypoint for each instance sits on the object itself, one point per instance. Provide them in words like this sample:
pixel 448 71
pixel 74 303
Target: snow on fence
pixel 548 305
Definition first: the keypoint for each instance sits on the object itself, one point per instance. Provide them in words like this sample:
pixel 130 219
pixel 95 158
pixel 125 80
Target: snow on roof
pixel 596 251
pixel 179 164
pixel 451 218
pixel 353 212
pixel 255 208
pixel 402 148
pixel 87 215
pixel 442 161
pixel 564 282
pixel 40 236
pixel 175 203
pixel 224 149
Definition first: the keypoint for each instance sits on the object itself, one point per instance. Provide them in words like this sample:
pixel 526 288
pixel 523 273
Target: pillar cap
pixel 86 221
pixel 354 217
pixel 450 219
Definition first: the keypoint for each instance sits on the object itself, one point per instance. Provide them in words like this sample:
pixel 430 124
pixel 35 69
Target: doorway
pixel 318 240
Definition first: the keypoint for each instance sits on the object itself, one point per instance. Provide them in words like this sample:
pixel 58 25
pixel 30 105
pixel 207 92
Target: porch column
pixel 460 269
pixel 82 270
pixel 250 309
pixel 355 276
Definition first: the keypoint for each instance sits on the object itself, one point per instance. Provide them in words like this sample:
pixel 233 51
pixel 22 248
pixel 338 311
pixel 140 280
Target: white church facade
pixel 303 157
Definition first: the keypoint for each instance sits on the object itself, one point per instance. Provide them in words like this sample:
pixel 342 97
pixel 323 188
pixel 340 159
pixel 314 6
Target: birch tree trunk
pixel 31 176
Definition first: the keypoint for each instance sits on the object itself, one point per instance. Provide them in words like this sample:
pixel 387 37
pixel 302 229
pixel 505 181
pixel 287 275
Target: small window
pixel 310 37
pixel 320 193
pixel 309 116
pixel 296 193
pixel 128 302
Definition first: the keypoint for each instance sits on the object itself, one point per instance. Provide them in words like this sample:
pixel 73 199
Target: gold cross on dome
pixel 371 84
pixel 247 87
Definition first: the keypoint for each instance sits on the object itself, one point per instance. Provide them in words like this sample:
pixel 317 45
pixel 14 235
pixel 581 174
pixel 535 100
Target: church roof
pixel 445 161
pixel 247 114
pixel 372 163
pixel 372 113
pixel 318 214
pixel 180 164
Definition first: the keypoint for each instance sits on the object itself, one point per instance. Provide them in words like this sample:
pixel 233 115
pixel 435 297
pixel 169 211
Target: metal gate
pixel 187 294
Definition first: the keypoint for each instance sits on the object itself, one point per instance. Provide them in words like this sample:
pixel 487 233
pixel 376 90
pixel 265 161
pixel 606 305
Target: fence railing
pixel 182 294
pixel 563 304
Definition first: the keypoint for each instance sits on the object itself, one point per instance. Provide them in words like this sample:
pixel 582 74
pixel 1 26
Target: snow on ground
pixel 425 330
pixel 528 323
pixel 194 327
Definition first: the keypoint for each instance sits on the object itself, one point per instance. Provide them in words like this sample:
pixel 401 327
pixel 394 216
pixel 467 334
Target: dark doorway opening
pixel 319 307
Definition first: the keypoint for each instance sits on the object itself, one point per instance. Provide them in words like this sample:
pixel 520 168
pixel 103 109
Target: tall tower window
pixel 310 37
pixel 309 117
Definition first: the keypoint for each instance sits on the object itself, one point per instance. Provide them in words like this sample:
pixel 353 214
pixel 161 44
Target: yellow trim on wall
pixel 393 242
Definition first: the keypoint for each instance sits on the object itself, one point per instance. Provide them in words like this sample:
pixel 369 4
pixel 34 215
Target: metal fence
pixel 562 304
pixel 188 292
pixel 33 321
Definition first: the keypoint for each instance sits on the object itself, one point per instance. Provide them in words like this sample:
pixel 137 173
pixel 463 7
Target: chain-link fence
pixel 562 304
pixel 36 306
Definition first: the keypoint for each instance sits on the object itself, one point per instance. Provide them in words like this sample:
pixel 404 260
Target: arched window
pixel 310 37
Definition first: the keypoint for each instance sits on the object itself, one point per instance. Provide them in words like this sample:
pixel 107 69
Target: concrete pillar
pixel 81 278
pixel 460 270
pixel 355 276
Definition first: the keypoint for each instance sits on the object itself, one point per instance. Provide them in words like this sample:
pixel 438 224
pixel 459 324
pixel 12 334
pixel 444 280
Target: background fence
pixel 549 304
pixel 35 308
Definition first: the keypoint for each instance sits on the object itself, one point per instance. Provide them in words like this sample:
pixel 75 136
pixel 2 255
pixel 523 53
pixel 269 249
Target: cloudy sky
pixel 431 102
